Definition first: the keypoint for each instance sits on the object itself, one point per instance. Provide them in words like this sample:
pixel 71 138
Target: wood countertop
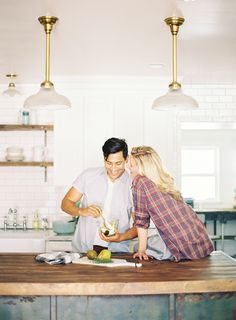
pixel 21 275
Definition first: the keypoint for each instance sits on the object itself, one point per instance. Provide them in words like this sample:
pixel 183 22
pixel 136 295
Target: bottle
pixel 35 223
pixel 44 223
pixel 25 118
pixel 234 199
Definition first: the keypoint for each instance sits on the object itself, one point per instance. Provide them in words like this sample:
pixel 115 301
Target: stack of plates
pixel 14 154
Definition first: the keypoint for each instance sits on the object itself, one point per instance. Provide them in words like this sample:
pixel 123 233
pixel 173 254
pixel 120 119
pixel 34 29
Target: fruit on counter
pixel 104 255
pixel 92 254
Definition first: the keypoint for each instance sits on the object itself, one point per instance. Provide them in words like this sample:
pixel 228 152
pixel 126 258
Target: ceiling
pixel 119 38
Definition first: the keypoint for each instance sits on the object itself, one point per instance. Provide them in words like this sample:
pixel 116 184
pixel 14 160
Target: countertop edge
pixel 116 288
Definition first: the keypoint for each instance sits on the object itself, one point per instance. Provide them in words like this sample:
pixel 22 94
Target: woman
pixel 180 233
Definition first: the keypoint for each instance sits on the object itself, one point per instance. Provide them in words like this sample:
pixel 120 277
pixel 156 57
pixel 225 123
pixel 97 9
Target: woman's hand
pixel 142 245
pixel 141 255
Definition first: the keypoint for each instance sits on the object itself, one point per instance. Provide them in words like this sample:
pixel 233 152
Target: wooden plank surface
pixel 20 274
pixel 21 127
pixel 26 164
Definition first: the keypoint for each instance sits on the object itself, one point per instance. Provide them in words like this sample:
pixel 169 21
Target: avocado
pixel 92 254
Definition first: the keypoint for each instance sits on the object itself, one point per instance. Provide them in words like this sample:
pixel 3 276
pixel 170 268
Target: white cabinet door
pixel 58 246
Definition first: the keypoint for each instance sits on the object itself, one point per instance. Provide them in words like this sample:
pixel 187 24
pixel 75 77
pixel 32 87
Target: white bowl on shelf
pixel 14 154
pixel 14 150
pixel 14 158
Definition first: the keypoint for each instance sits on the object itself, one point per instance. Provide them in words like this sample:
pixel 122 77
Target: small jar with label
pixel 25 118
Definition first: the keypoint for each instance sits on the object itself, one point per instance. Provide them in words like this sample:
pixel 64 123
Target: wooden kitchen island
pixel 201 289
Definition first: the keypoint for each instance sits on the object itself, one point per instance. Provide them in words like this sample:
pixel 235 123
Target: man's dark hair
pixel 114 145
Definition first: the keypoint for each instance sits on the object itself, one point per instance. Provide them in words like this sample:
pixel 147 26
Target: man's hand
pixel 141 255
pixel 92 211
pixel 115 238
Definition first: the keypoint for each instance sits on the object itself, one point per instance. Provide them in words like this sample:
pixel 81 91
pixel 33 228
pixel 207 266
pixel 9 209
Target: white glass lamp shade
pixel 47 99
pixel 174 100
pixel 11 92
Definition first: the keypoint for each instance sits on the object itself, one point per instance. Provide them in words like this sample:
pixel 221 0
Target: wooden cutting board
pixel 113 263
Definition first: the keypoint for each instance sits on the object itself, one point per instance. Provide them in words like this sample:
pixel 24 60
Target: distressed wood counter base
pixel 202 289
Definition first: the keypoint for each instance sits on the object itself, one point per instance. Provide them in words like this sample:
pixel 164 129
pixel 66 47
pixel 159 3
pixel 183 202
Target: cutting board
pixel 113 263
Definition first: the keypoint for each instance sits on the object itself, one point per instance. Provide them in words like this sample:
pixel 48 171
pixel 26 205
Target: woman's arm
pixel 142 244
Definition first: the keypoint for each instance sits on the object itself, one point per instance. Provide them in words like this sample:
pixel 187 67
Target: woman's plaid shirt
pixel 179 226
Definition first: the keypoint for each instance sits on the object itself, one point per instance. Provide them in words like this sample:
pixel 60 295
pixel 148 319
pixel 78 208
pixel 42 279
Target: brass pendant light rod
pixel 174 99
pixel 174 23
pixel 48 23
pixel 11 76
pixel 47 98
pixel 11 90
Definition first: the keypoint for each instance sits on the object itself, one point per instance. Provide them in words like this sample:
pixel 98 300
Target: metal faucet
pixel 5 222
pixel 24 224
pixel 12 222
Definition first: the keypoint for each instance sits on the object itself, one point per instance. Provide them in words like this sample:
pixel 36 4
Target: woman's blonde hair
pixel 150 165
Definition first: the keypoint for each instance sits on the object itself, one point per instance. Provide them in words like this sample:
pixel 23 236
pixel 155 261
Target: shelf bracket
pixel 45 174
pixel 45 138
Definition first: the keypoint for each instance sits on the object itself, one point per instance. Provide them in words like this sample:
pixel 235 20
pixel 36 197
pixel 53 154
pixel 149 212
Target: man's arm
pixel 118 237
pixel 68 205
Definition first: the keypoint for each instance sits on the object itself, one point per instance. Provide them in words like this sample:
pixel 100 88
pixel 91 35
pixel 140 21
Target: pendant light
pixel 174 99
pixel 47 98
pixel 11 91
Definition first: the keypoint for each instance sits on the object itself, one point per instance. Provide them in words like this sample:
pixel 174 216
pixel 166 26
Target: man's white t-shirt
pixel 93 184
pixel 106 213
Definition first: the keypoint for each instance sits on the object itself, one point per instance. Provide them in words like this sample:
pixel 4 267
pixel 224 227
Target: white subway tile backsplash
pixel 231 92
pixel 225 98
pixel 218 92
pixel 199 98
pixel 206 92
pixel 211 98
pixel 205 105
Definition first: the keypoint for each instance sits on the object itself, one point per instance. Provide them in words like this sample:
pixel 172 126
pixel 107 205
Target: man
pixel 107 191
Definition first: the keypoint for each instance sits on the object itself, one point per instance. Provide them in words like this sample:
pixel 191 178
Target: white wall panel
pixel 98 127
pixel 69 142
pixel 128 120
pixel 159 133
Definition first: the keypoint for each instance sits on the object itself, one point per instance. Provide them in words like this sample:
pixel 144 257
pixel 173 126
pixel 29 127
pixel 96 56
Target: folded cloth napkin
pixel 57 257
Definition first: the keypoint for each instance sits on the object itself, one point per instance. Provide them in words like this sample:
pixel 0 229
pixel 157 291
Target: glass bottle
pixel 35 223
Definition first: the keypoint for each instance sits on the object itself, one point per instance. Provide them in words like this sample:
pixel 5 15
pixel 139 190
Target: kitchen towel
pixel 57 257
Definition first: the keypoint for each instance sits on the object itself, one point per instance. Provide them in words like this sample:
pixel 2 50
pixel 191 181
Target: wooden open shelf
pixel 21 127
pixel 25 164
